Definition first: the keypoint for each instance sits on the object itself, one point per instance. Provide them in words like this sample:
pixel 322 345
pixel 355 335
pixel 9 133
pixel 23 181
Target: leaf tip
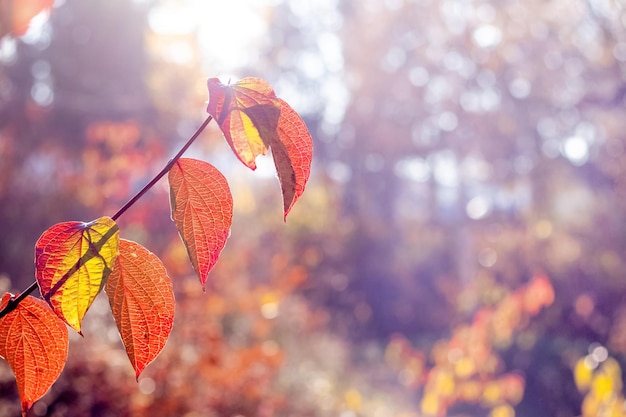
pixel 26 405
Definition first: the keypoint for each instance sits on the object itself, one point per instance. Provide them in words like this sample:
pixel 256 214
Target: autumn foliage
pixel 35 343
pixel 466 366
pixel 202 208
pixel 459 249
pixel 142 302
pixel 75 261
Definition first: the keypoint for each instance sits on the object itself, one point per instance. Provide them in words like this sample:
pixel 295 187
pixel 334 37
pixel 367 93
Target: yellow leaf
pixel 247 112
pixel 611 368
pixel 602 386
pixel 431 404
pixel 353 399
pixel 464 367
pixel 504 410
pixel 492 393
pixel 590 406
pixel 582 375
pixel 444 383
pixel 72 263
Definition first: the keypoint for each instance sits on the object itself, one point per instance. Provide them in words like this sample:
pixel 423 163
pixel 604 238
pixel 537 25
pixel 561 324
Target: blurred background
pixel 460 247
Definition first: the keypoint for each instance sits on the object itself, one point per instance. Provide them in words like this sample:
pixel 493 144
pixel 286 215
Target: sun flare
pixel 226 32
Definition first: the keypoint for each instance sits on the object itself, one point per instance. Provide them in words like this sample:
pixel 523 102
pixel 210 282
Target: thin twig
pixel 164 171
pixel 13 303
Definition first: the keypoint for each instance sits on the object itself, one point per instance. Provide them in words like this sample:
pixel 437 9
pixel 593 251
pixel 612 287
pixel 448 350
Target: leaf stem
pixel 164 171
pixel 13 303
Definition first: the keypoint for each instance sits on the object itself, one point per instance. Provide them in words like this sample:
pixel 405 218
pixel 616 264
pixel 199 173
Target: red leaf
pixel 142 302
pixel 247 112
pixel 539 293
pixel 202 209
pixel 35 343
pixel 72 263
pixel 292 154
pixel 252 119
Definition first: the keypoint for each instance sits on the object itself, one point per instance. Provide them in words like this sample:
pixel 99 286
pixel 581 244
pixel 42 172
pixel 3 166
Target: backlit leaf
pixel 292 154
pixel 35 343
pixel 142 302
pixel 202 209
pixel 247 112
pixel 252 120
pixel 72 262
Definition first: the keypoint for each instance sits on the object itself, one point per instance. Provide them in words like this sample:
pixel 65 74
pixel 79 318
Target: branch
pixel 13 302
pixel 164 171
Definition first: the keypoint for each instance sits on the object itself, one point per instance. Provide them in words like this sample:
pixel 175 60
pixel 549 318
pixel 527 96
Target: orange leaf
pixel 72 262
pixel 247 112
pixel 539 293
pixel 292 154
pixel 35 343
pixel 202 209
pixel 142 301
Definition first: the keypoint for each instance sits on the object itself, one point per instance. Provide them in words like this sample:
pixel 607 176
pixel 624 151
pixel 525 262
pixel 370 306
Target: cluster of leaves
pixel 75 261
pixel 599 378
pixel 466 365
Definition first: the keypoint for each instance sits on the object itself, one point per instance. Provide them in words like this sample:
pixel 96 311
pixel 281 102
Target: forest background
pixel 460 246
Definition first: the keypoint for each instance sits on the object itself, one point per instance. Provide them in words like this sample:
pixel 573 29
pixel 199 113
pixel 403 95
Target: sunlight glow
pixel 226 31
pixel 418 76
pixel 576 149
pixel 269 310
pixel 8 50
pixel 42 94
pixel 487 257
pixel 445 168
pixel 414 169
pixel 37 32
pixel 520 88
pixel 477 208
pixel 487 36
pixel 171 19
pixel 599 353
